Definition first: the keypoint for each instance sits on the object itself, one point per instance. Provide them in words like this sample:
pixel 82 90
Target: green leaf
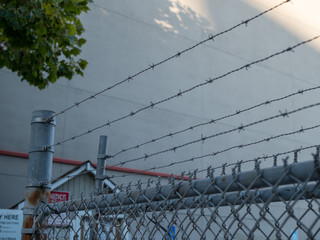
pixel 48 9
pixel 69 6
pixel 81 41
pixel 75 51
pixel 71 28
pixel 40 29
pixel 82 63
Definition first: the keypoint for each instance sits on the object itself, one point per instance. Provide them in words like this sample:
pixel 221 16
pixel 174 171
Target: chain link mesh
pixel 281 202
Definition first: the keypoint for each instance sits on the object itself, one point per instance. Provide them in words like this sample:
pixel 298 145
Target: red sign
pixel 58 196
pixel 58 219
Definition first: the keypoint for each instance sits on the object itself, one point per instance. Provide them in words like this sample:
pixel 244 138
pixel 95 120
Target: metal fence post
pixel 40 167
pixel 99 179
pixel 101 163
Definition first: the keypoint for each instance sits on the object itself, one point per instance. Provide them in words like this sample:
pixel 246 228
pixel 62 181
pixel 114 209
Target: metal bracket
pixel 42 149
pixel 102 156
pixel 43 120
pixel 27 230
pixel 28 211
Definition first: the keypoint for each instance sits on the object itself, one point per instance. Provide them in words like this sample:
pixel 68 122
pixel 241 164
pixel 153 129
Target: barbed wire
pixel 180 93
pixel 302 130
pixel 153 66
pixel 241 146
pixel 264 157
pixel 210 169
pixel 213 121
pixel 204 138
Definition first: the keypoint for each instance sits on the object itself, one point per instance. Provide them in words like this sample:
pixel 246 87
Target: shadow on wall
pixel 179 17
pixel 186 17
pixel 280 30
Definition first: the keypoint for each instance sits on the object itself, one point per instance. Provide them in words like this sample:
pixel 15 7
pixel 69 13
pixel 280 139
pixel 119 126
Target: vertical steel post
pixel 40 167
pixel 101 164
pixel 99 179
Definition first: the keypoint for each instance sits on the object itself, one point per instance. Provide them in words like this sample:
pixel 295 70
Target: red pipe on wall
pixel 108 167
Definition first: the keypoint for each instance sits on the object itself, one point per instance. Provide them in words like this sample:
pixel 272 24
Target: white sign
pixel 10 224
pixel 62 218
pixel 58 220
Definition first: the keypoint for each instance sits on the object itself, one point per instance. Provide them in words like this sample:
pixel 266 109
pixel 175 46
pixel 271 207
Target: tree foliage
pixel 40 39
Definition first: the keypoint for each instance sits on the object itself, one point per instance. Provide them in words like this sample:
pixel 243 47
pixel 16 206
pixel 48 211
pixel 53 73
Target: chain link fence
pixel 281 202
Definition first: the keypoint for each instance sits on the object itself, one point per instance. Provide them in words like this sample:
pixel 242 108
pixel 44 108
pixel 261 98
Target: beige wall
pixel 124 37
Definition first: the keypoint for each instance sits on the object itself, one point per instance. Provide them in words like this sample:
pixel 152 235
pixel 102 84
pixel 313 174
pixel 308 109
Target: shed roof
pixel 86 167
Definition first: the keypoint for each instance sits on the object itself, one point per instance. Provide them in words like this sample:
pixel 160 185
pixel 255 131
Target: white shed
pixel 78 182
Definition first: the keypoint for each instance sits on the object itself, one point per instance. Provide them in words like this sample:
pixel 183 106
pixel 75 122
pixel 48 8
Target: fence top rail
pixel 237 181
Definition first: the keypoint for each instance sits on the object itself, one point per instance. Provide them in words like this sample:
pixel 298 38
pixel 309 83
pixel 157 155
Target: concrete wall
pixel 124 37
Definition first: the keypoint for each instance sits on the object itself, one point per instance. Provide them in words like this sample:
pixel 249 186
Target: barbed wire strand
pixel 240 146
pixel 213 121
pixel 153 66
pixel 180 93
pixel 204 138
pixel 226 165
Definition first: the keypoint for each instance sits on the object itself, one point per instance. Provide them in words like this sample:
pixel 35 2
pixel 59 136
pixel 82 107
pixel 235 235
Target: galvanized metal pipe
pixel 40 166
pixel 101 163
pixel 99 179
pixel 286 193
pixel 304 171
